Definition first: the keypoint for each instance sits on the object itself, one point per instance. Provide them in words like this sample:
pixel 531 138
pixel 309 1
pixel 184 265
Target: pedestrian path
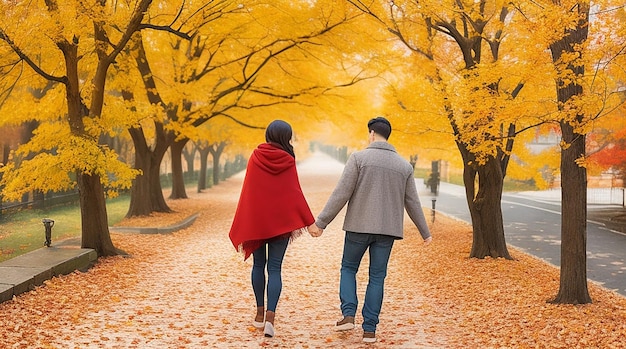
pixel 191 289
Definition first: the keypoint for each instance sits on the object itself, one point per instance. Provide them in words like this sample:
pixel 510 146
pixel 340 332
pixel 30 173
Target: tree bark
pixel 216 150
pixel 178 179
pixel 204 155
pixel 146 194
pixel 94 219
pixel 485 206
pixel 573 279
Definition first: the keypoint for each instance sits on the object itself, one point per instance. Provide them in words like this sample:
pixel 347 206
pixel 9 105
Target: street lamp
pixel 48 224
pixel 433 211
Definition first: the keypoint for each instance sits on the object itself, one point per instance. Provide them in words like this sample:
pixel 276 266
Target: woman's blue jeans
pixel 270 254
pixel 354 248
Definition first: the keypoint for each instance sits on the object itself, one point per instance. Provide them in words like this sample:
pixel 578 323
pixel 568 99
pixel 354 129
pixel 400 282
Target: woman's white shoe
pixel 269 329
pixel 258 324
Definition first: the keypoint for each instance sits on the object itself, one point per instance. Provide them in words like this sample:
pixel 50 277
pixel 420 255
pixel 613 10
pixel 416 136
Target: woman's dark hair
pixel 279 132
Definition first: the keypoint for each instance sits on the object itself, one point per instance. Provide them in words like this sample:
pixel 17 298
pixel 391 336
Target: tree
pixel 239 60
pixel 178 178
pixel 573 279
pixel 583 100
pixel 189 153
pixel 458 51
pixel 66 36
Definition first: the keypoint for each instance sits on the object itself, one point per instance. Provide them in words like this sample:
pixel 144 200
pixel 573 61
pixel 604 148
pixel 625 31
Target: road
pixel 532 224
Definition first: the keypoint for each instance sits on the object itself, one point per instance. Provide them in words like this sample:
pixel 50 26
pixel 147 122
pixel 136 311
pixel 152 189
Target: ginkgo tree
pixel 588 79
pixel 478 61
pixel 73 45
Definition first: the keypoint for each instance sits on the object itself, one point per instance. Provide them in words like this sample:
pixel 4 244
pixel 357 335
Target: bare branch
pixel 241 122
pixel 24 57
pixel 166 28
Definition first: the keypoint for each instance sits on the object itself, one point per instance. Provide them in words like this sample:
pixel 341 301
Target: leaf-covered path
pixel 190 289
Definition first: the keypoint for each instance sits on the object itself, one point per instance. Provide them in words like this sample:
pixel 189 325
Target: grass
pixel 23 231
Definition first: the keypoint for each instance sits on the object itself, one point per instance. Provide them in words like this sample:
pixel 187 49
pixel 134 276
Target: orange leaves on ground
pixel 504 303
pixel 191 289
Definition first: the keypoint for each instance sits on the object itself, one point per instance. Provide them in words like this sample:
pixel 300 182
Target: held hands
pixel 315 231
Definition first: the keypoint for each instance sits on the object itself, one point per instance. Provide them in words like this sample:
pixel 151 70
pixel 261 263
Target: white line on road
pixel 557 212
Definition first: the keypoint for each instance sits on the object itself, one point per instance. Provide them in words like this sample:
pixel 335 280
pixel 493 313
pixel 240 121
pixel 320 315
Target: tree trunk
pixel 216 168
pixel 204 155
pixel 216 150
pixel 573 280
pixel 94 219
pixel 93 214
pixel 190 156
pixel 146 194
pixel 485 208
pixel 178 180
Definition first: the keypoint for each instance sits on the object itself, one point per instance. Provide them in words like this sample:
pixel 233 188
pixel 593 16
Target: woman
pixel 272 211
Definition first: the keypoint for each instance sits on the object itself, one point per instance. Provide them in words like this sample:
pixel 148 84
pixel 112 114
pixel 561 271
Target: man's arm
pixel 342 193
pixel 414 209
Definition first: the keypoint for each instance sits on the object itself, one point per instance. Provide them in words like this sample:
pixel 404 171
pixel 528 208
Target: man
pixel 377 184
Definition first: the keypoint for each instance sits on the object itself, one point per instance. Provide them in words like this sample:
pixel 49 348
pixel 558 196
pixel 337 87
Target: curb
pixel 158 230
pixel 23 273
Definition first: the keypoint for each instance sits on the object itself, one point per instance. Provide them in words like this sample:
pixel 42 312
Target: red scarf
pixel 271 203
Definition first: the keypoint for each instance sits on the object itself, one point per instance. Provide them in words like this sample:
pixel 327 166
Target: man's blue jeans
pixel 272 254
pixel 354 248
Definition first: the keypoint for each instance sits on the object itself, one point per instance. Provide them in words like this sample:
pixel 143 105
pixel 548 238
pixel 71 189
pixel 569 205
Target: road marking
pixel 602 225
pixel 530 206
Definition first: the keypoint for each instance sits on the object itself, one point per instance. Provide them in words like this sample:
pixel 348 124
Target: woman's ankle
pixel 260 313
pixel 269 316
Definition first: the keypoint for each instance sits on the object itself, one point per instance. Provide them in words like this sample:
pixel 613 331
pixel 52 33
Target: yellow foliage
pixel 325 66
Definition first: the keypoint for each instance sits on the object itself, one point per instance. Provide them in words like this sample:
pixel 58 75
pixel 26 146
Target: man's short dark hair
pixel 380 126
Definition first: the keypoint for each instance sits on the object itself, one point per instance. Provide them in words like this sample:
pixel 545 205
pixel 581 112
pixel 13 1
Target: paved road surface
pixel 533 224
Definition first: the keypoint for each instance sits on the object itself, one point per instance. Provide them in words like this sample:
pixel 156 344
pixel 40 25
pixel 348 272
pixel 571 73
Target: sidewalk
pixel 23 273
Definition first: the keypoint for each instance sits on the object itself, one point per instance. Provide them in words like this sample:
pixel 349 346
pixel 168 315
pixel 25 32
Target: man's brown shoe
pixel 347 323
pixel 369 337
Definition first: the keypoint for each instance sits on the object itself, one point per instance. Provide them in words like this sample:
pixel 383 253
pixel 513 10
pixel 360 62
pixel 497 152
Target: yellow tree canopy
pixel 51 43
pixel 254 63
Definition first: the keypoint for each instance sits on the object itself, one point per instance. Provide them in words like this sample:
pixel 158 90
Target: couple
pixel 377 184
